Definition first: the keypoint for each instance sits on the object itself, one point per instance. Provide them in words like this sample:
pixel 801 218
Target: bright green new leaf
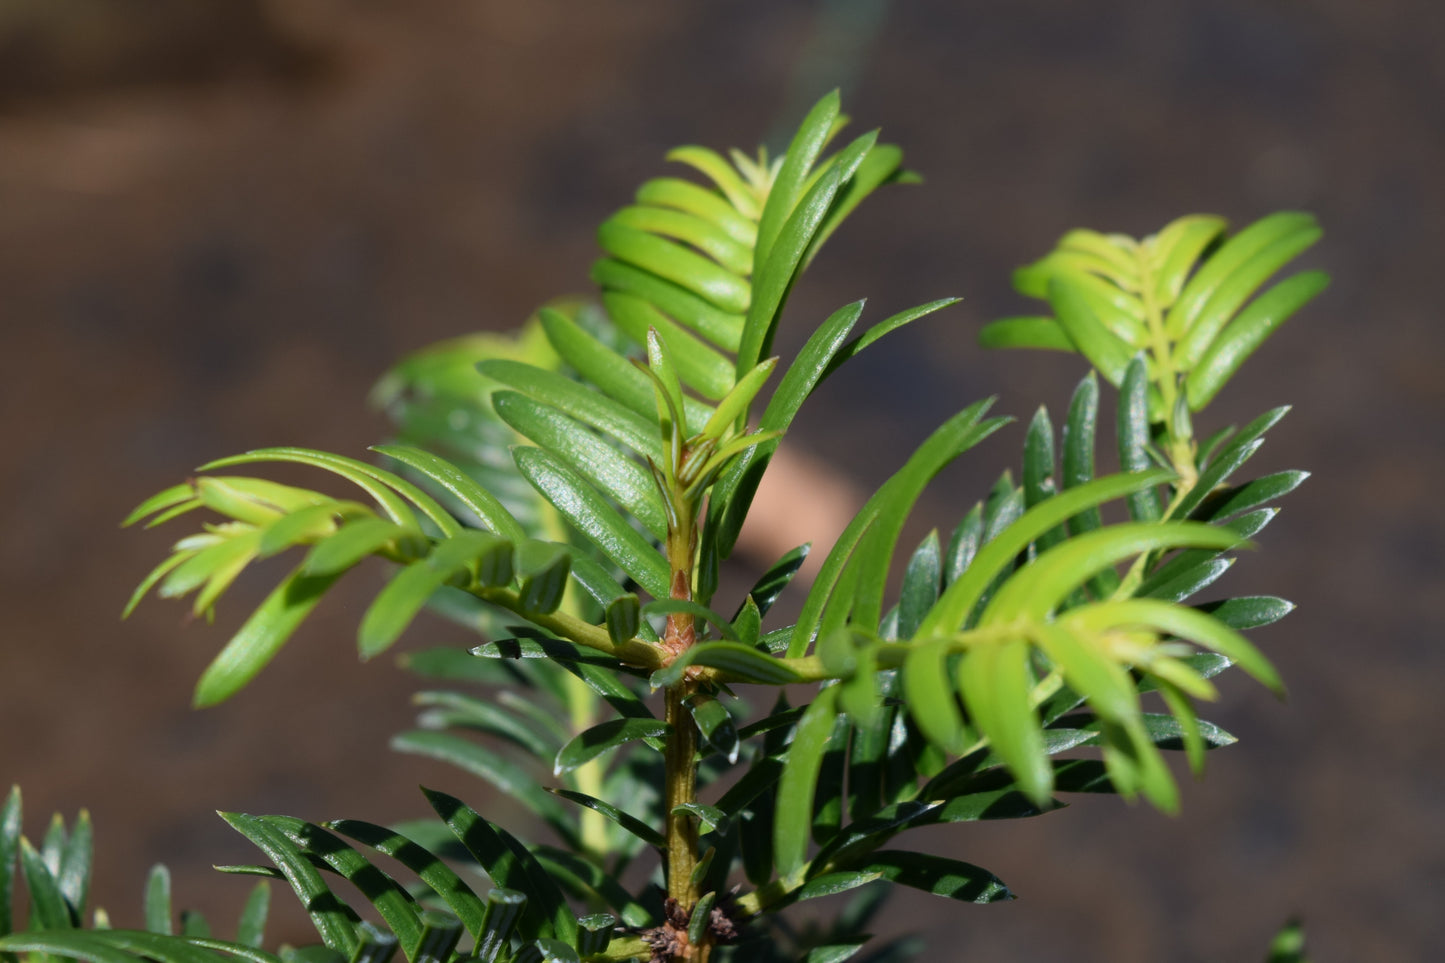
pixel 734 407
pixel 775 276
pixel 1234 290
pixel 356 540
pixel 1095 341
pixel 261 637
pixel 720 327
pixel 1090 671
pixel 160 501
pixel 674 262
pixel 1231 256
pixel 686 196
pixel 711 163
pixel 617 376
pixel 891 505
pixel 996 683
pixel 1032 331
pixel 1247 332
pixel 787 186
pixel 480 502
pixel 398 603
pixel 1036 590
pixel 383 486
pixel 701 367
pixel 1186 623
pixel 929 693
pixel 733 493
pixel 305 525
pixel 798 782
pixel 1177 249
pixel 958 600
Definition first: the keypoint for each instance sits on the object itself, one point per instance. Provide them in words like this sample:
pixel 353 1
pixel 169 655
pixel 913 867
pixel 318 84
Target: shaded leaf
pixel 581 505
pixel 933 874
pixel 393 903
pixel 501 772
pixel 604 737
pixel 778 576
pixel 1133 436
pixel 509 865
pixel 48 909
pixel 10 814
pixel 331 917
pixel 438 877
pixel 1249 612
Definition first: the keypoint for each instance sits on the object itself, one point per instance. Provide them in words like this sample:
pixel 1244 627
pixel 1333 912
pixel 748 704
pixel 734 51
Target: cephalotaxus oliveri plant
pixel 572 492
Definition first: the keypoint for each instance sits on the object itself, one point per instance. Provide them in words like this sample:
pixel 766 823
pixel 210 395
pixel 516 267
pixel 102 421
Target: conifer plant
pixel 572 492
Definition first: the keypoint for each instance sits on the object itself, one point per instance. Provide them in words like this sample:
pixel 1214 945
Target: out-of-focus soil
pixel 220 222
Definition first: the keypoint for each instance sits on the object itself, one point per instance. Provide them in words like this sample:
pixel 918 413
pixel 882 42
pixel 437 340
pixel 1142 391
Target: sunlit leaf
pixel 261 637
pixel 796 787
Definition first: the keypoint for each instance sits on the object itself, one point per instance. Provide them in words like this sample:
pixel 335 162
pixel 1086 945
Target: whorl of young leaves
pixel 1182 296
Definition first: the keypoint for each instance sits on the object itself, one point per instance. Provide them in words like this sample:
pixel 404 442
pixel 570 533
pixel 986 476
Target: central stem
pixel 681 788
pixel 681 749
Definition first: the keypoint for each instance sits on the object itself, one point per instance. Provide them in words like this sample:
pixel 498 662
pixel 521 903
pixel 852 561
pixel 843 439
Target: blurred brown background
pixel 220 221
